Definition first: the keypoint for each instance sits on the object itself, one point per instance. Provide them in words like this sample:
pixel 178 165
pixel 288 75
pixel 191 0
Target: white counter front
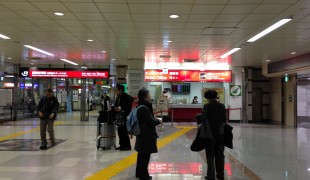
pixel 187 106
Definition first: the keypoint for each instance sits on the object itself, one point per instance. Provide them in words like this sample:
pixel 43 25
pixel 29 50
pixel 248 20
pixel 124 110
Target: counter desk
pixel 185 112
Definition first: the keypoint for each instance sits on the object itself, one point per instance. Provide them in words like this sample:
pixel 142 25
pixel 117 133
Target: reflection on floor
pixel 24 144
pixel 260 152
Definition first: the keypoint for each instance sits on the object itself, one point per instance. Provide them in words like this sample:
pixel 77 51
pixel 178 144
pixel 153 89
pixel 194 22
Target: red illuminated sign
pixel 188 75
pixel 67 74
pixel 194 168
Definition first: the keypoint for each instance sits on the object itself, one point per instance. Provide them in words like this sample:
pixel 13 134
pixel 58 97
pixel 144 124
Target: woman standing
pixel 215 113
pixel 146 140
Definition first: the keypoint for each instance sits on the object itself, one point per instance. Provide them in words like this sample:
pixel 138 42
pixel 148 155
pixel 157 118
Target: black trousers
pixel 124 141
pixel 215 153
pixel 142 165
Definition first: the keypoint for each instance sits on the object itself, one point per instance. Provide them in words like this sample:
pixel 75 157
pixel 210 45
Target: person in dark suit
pixel 215 113
pixel 47 111
pixel 146 140
pixel 105 100
pixel 123 103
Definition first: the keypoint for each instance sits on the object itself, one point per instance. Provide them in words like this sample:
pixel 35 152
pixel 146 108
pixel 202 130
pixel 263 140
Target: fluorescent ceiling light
pixel 39 50
pixel 90 40
pixel 113 59
pixel 230 52
pixel 9 58
pixel 69 62
pixel 168 41
pixel 174 16
pixel 84 67
pixel 269 29
pixel 268 60
pixel 4 37
pixel 293 52
pixel 104 51
pixel 9 76
pixel 59 13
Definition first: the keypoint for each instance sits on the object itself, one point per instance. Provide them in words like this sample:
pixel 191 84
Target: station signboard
pixel 187 75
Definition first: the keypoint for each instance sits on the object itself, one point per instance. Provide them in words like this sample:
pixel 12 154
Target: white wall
pixel 234 101
pixel 303 98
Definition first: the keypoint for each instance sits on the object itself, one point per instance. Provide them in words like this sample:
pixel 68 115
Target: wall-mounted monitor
pixel 180 88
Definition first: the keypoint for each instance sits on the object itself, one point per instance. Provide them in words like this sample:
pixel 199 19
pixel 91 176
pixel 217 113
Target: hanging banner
pixel 188 75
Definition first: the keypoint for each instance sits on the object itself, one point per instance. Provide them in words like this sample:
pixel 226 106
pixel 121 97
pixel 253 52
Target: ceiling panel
pixel 144 8
pixel 113 8
pixel 20 6
pixel 117 16
pixel 50 6
pixel 82 7
pixel 207 9
pixel 175 8
pixel 129 27
pixel 270 8
pixel 238 9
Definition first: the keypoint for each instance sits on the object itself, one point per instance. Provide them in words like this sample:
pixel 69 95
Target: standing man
pixel 47 110
pixel 123 103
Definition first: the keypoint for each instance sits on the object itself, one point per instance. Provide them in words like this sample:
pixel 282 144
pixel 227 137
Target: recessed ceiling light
pixel 4 37
pixel 293 52
pixel 90 40
pixel 104 51
pixel 59 14
pixel 174 16
pixel 268 60
pixel 168 41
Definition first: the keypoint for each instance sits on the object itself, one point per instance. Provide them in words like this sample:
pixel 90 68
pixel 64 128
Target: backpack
pixel 132 122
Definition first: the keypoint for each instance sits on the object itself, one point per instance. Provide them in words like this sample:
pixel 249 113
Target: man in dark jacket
pixel 47 111
pixel 123 103
pixel 215 113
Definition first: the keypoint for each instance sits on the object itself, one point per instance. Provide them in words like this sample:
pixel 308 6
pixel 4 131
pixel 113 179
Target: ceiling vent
pixel 218 30
pixel 165 56
pixel 190 60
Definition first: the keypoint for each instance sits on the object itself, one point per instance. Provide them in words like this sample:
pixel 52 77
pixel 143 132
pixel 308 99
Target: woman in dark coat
pixel 215 113
pixel 146 140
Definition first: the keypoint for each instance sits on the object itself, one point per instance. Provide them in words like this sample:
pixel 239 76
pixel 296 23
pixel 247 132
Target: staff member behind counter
pixel 195 100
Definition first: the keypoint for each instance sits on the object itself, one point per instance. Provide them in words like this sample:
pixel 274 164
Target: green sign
pixel 235 90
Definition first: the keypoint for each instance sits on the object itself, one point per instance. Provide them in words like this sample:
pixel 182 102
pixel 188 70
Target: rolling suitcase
pixel 106 138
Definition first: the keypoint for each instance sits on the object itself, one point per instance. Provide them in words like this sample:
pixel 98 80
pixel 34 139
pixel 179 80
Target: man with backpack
pixel 146 139
pixel 47 111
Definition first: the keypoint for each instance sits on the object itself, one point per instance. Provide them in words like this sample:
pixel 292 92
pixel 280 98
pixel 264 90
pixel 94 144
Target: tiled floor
pixel 260 152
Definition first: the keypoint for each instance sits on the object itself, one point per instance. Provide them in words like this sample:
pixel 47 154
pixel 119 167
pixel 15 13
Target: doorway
pixel 303 102
pixel 257 105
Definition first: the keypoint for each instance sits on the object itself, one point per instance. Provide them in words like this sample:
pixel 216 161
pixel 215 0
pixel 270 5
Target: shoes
pixel 125 149
pixel 150 177
pixel 53 142
pixel 43 147
pixel 117 148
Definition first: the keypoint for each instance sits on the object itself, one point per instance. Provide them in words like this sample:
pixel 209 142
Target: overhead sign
pixel 188 75
pixel 63 73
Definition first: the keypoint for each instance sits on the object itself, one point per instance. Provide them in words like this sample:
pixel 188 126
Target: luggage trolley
pixel 106 136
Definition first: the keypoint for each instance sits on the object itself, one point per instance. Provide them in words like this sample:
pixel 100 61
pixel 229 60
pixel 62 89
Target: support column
pixel 84 102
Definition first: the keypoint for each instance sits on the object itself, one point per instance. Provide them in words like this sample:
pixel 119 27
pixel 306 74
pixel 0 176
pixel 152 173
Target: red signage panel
pixel 188 75
pixel 67 74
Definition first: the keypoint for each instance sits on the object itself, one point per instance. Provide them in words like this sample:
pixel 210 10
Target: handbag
pixel 228 136
pixel 119 119
pixel 204 134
